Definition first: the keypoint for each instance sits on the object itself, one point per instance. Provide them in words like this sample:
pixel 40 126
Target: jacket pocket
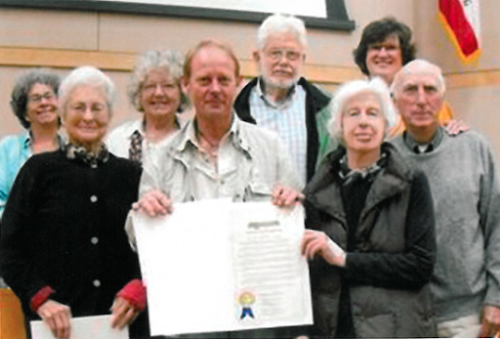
pixel 381 325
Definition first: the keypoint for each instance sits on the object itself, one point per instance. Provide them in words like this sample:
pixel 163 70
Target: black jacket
pixel 63 227
pixel 388 271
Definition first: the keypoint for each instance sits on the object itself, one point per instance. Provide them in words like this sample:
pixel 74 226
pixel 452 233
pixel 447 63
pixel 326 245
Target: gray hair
pixel 418 67
pixel 168 60
pixel 87 76
pixel 375 86
pixel 279 23
pixel 22 87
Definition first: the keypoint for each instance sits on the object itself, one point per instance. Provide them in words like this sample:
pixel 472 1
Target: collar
pixel 413 145
pixel 28 141
pixel 139 127
pixel 234 134
pixel 260 91
pixel 369 172
pixel 89 158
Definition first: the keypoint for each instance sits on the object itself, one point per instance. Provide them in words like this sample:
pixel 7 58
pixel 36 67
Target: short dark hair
pixel 22 87
pixel 378 31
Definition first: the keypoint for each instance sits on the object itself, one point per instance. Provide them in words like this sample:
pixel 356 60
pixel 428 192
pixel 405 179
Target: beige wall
pixel 67 39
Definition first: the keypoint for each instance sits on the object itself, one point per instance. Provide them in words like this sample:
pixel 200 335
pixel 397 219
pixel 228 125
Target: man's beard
pixel 280 84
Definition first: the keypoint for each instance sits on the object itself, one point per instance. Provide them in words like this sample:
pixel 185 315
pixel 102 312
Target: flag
pixel 461 20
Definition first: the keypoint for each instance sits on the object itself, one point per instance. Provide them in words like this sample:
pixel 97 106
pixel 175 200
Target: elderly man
pixel 216 155
pixel 466 192
pixel 279 99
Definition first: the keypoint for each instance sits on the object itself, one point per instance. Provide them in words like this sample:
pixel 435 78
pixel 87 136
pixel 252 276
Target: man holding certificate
pixel 216 155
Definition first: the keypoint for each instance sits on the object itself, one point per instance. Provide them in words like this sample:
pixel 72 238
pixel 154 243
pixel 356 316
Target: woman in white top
pixel 155 91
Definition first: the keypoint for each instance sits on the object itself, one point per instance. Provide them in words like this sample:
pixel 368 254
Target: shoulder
pixel 468 142
pixel 44 162
pixel 12 140
pixel 125 129
pixel 256 133
pixel 125 165
pixel 318 95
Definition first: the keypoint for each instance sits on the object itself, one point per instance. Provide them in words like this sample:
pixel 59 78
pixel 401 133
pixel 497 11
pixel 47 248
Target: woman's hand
pixel 124 313
pixel 57 316
pixel 316 242
pixel 455 127
pixel 154 203
pixel 284 196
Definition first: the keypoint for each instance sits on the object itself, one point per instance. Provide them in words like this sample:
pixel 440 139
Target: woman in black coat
pixel 64 251
pixel 371 227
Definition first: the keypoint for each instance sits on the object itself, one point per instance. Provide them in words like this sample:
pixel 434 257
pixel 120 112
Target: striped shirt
pixel 288 119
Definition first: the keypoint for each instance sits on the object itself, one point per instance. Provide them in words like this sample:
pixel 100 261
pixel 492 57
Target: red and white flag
pixel 461 19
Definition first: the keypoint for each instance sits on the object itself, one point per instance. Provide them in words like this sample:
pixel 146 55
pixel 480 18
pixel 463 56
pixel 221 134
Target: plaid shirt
pixel 288 119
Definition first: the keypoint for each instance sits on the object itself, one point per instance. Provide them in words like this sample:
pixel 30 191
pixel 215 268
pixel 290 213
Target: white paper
pixel 313 8
pixel 95 327
pixel 216 266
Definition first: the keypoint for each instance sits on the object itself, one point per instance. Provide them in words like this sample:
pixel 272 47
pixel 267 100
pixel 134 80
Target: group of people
pixel 402 219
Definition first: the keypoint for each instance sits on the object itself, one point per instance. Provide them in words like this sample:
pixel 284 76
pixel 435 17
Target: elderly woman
pixel 370 225
pixel 34 102
pixel 63 249
pixel 155 91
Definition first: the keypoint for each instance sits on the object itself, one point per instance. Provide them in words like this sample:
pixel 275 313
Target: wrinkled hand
pixel 154 203
pixel 316 242
pixel 57 316
pixel 455 127
pixel 284 196
pixel 490 323
pixel 124 313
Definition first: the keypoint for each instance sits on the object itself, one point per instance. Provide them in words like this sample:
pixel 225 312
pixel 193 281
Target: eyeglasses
pixel 387 47
pixel 38 98
pixel 277 54
pixel 166 86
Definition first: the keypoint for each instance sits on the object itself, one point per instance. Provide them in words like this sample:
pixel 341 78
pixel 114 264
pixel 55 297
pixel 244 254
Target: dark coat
pixel 63 227
pixel 317 115
pixel 388 271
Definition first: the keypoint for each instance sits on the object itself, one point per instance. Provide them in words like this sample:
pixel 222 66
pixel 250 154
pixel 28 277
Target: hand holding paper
pixel 316 242
pixel 57 317
pixel 154 203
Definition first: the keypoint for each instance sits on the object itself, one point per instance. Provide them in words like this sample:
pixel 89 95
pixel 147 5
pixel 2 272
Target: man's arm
pixel 490 222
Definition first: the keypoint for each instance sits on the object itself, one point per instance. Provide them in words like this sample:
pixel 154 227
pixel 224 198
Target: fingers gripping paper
pixel 215 266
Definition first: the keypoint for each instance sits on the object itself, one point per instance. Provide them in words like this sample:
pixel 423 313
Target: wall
pixel 473 89
pixel 65 39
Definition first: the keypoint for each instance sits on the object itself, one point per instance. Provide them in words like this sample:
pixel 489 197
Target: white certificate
pixel 95 327
pixel 215 266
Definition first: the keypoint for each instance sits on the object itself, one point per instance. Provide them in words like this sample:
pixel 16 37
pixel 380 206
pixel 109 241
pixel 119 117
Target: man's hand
pixel 283 196
pixel 124 313
pixel 57 316
pixel 315 242
pixel 455 127
pixel 490 322
pixel 154 203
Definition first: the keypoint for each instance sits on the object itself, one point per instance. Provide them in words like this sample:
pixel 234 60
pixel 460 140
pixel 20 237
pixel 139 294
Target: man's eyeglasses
pixel 277 54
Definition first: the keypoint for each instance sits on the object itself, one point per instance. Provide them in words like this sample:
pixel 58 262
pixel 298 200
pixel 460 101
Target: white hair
pixel 169 60
pixel 418 67
pixel 375 86
pixel 87 76
pixel 279 23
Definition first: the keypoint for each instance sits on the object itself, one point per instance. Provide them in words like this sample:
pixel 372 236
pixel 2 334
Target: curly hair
pixel 22 87
pixel 169 60
pixel 378 31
